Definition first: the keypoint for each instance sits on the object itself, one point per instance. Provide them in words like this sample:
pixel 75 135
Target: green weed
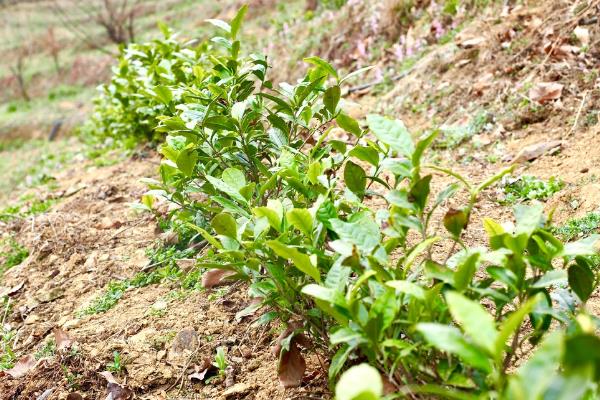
pixel 578 227
pixel 527 187
pixel 12 255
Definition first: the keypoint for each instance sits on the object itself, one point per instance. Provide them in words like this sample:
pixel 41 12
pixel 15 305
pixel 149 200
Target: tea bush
pixel 280 203
pixel 145 85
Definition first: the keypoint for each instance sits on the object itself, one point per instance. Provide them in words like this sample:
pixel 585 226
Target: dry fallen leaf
pixel 544 92
pixel 115 390
pixel 62 339
pixel 22 367
pixel 215 277
pixel 291 367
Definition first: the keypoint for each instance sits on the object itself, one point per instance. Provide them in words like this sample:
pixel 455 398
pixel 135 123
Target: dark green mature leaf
pixel 355 178
pixel 474 320
pixel 393 133
pixel 224 224
pixel 450 339
pixel 581 280
pixel 348 124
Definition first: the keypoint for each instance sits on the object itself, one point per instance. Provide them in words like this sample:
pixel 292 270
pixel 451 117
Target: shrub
pixel 281 204
pixel 145 86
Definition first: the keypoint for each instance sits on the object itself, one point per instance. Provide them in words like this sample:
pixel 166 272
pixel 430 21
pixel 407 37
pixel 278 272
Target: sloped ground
pixel 499 65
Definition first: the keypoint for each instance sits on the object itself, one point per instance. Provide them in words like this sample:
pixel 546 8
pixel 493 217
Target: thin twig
pixel 572 130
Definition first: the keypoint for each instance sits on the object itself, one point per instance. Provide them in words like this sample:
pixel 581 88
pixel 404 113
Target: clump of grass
pixel 454 135
pixel 578 227
pixel 37 206
pixel 13 254
pixel 527 187
pixel 48 349
pixel 163 259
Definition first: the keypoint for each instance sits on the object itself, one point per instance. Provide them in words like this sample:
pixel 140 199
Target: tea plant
pixel 140 89
pixel 277 202
pixel 527 187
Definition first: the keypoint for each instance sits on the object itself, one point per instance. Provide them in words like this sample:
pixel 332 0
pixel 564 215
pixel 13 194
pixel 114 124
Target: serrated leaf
pixel 365 153
pixel 348 124
pixel 474 320
pixel 393 133
pixel 451 340
pixel 224 224
pixel 301 219
pixel 331 98
pixel 355 178
pixel 300 260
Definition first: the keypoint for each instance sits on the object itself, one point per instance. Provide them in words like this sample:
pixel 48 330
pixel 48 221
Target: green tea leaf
pixel 236 22
pixel 224 224
pixel 365 153
pixel 355 178
pixel 301 219
pixel 474 320
pixel 324 65
pixel 331 98
pixel 300 260
pixel 393 133
pixel 581 280
pixel 361 382
pixel 348 124
pixel 450 339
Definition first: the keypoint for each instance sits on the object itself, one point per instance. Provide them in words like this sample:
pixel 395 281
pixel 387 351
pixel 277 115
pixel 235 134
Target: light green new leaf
pixel 163 94
pixel 224 224
pixel 186 161
pixel 300 260
pixel 236 22
pixel 234 178
pixel 450 339
pixel 361 382
pixel 324 65
pixel 271 215
pixel 510 325
pixel 220 24
pixel 408 287
pixel 301 219
pixel 474 320
pixel 393 133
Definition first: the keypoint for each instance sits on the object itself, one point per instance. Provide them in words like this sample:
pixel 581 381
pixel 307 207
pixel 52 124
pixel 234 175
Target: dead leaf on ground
pixel 544 92
pixel 215 277
pixel 22 367
pixel 12 290
pixel 291 367
pixel 74 396
pixel 115 390
pixel 62 339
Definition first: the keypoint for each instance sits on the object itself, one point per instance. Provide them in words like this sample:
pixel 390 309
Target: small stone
pixel 236 390
pixel 584 170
